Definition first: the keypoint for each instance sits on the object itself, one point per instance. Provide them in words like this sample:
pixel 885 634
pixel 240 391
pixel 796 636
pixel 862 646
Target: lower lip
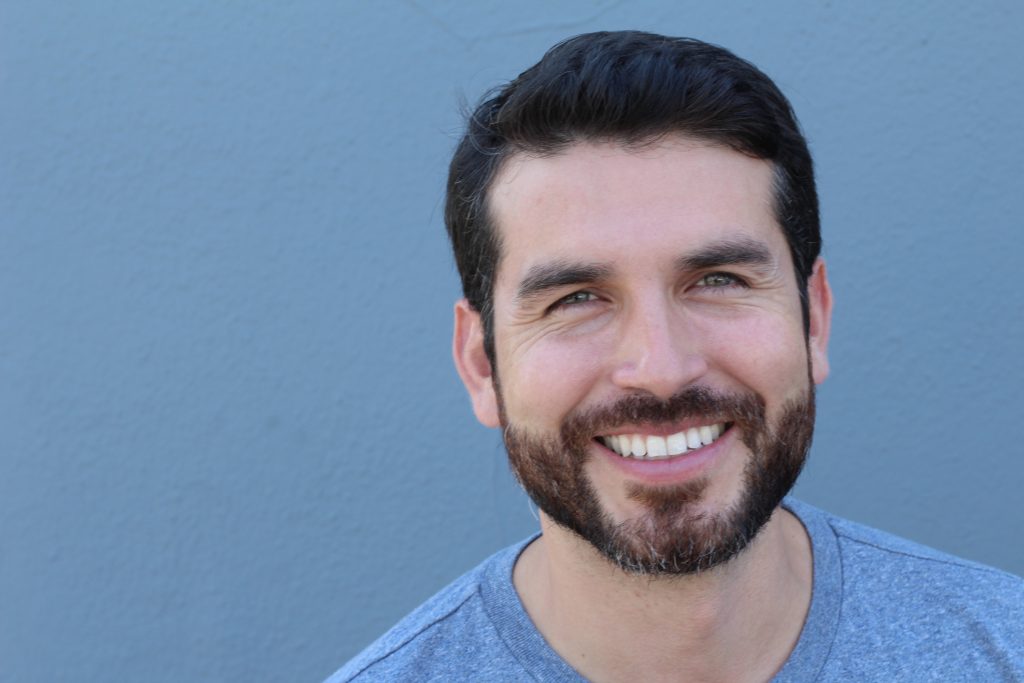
pixel 672 470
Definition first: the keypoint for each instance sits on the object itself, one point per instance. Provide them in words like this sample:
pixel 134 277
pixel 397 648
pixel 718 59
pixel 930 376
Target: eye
pixel 577 298
pixel 574 299
pixel 719 281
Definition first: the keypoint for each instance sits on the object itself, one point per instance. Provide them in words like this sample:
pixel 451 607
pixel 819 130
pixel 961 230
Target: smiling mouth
pixel 648 447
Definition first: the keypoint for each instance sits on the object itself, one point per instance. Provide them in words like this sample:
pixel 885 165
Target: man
pixel 646 316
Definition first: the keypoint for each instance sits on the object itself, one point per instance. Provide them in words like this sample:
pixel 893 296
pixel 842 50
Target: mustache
pixel 647 409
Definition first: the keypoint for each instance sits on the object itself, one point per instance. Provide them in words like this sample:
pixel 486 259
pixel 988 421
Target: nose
pixel 658 352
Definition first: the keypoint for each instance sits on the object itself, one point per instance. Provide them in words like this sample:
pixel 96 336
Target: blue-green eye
pixel 718 280
pixel 576 298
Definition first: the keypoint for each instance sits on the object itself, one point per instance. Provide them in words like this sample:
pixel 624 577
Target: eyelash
pixel 575 299
pixel 582 296
pixel 733 281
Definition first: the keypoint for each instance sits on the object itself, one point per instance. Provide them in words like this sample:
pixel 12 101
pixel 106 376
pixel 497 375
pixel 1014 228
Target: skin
pixel 640 323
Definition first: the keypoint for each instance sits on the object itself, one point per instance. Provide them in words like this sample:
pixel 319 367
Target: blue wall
pixel 233 447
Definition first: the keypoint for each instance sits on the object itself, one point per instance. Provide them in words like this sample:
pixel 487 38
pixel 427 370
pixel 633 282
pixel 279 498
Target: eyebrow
pixel 545 277
pixel 732 252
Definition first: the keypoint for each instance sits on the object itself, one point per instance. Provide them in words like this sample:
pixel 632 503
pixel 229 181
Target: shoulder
pixel 871 555
pixel 905 611
pixel 421 636
pixel 920 593
pixel 449 636
pixel 874 556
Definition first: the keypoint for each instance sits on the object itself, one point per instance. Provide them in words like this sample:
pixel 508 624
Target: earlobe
pixel 472 363
pixel 819 299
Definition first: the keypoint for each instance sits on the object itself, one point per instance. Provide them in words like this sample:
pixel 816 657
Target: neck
pixel 736 622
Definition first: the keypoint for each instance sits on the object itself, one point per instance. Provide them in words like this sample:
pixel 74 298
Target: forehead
pixel 607 202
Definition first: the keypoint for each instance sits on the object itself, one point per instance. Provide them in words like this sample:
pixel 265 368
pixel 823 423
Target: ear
pixel 819 299
pixel 473 365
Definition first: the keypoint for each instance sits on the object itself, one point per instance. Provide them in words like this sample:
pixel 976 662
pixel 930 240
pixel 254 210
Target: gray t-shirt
pixel 882 609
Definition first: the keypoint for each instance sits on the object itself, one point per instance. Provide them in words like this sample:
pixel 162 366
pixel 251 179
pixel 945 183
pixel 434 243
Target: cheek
pixel 546 381
pixel 766 356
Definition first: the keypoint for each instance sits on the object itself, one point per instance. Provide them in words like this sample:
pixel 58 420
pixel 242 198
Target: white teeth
pixel 656 447
pixel 648 447
pixel 676 443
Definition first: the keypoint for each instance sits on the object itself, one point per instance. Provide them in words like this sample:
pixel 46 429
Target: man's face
pixel 653 376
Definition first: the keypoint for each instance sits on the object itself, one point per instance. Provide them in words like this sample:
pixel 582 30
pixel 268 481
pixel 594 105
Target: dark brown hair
pixel 631 87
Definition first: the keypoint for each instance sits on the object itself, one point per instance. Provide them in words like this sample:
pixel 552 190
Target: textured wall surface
pixel 233 447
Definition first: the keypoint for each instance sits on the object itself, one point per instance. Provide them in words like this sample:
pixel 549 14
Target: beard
pixel 672 535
